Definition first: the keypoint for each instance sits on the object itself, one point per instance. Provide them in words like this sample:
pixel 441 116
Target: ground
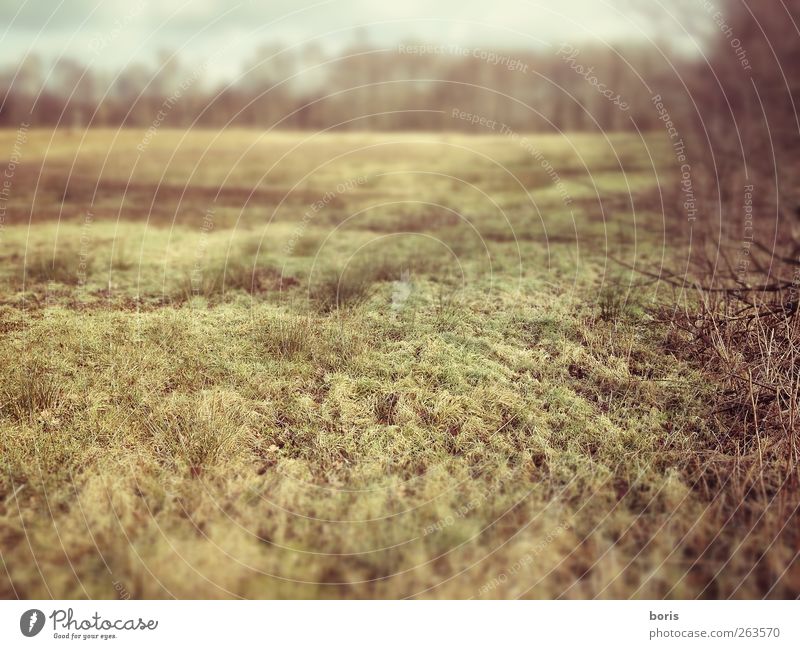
pixel 249 364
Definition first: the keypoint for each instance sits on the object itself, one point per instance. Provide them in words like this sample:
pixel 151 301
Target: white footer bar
pixel 383 624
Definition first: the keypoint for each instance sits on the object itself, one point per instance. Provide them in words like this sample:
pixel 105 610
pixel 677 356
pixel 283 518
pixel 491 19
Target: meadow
pixel 248 364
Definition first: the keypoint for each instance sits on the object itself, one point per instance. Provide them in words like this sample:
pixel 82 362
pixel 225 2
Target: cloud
pixel 196 28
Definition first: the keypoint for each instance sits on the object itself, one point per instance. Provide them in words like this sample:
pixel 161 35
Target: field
pixel 249 364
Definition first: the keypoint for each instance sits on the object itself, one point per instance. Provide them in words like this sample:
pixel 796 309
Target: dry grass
pixel 749 468
pixel 371 418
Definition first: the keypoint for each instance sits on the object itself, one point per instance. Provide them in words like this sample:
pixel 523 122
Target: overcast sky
pixel 111 33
